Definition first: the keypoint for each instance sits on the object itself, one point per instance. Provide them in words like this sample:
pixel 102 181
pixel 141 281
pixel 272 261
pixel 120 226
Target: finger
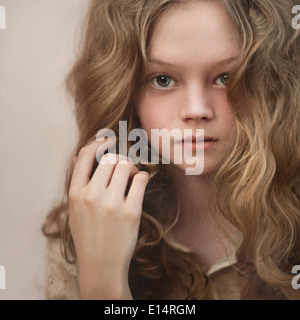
pixel 109 145
pixel 105 169
pixel 135 197
pixel 84 164
pixel 120 179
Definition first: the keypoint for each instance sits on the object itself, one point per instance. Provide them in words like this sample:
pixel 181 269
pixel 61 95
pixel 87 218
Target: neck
pixel 193 193
pixel 196 227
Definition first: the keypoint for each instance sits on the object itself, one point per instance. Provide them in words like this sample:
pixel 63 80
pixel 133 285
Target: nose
pixel 196 105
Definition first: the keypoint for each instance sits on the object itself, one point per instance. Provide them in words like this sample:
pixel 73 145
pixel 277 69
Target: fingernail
pixel 145 173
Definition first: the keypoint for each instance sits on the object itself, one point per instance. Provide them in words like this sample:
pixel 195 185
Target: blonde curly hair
pixel 258 186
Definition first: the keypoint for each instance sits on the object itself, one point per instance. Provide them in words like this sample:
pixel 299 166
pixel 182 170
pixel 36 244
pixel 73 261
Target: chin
pixel 206 171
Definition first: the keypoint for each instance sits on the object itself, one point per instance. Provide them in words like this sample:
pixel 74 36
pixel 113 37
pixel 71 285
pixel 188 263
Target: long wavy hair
pixel 257 188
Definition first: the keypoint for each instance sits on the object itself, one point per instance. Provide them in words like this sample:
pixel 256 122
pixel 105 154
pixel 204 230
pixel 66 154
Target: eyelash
pixel 153 77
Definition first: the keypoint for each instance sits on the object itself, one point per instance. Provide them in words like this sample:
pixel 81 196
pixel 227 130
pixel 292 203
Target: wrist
pixel 104 293
pixel 103 288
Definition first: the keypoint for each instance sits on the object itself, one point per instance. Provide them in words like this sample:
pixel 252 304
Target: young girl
pixel 150 231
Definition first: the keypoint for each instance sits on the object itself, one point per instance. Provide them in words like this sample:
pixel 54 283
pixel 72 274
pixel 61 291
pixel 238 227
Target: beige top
pixel 61 277
pixel 62 284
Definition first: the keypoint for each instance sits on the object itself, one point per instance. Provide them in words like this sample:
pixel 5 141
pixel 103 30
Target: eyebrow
pixel 217 63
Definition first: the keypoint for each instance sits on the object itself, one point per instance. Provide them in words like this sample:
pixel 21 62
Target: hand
pixel 104 222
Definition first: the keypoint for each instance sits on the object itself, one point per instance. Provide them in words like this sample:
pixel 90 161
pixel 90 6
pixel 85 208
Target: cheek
pixel 225 114
pixel 153 113
pixel 229 124
pixel 229 120
pixel 146 117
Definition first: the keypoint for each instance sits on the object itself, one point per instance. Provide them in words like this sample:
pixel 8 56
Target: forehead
pixel 190 30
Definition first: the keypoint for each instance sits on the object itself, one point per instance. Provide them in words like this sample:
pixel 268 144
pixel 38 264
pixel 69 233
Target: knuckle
pixel 130 214
pixel 108 158
pixel 109 208
pixel 90 199
pixel 84 151
pixel 72 195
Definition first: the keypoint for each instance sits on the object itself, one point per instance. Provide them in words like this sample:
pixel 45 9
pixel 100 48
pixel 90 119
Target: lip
pixel 200 143
pixel 197 139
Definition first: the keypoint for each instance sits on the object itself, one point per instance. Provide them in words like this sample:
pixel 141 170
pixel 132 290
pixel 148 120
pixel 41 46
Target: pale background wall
pixel 37 131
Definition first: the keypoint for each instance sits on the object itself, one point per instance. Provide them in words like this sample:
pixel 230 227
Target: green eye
pixel 162 81
pixel 222 80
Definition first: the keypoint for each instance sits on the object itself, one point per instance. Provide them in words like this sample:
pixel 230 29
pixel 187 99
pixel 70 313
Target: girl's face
pixel 190 53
